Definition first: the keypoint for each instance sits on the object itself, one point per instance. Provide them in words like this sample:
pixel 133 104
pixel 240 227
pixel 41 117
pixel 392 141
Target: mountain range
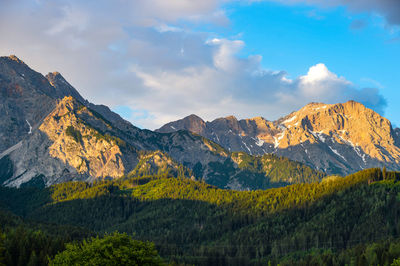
pixel 177 187
pixel 334 138
pixel 50 134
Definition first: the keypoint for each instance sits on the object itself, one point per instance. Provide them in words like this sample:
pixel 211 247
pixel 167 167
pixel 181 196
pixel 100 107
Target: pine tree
pixel 2 249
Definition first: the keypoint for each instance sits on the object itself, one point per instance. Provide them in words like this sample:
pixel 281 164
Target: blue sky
pixel 154 61
pixel 295 37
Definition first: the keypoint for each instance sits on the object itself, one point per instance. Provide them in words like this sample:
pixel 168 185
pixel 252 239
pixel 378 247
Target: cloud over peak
pixel 135 54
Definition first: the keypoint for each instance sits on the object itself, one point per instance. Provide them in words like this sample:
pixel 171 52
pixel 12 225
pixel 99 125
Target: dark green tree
pixel 2 249
pixel 115 249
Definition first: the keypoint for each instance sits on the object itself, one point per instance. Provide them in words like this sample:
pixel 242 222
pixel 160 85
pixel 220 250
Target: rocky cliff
pixel 66 138
pixel 335 138
pixel 24 100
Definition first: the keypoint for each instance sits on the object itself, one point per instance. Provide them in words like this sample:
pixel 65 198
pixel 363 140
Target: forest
pixel 351 220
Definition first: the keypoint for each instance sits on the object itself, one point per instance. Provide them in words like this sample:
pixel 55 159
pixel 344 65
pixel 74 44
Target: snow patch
pixel 337 153
pixel 216 136
pixel 289 120
pixel 30 127
pixel 321 107
pixel 247 147
pixel 281 127
pixel 355 148
pixel 358 151
pixel 172 127
pixel 318 135
pixel 278 139
pixel 259 142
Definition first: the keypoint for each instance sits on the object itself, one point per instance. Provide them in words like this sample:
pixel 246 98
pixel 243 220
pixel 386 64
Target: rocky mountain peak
pixel 349 123
pixel 192 123
pixel 26 98
pixel 62 87
pixel 259 119
pixel 231 118
pixel 53 76
pixel 194 117
pixel 337 138
pixel 194 120
pixel 14 58
pixel 229 121
pixel 49 134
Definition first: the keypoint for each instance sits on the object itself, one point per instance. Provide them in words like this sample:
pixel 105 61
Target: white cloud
pixel 71 18
pixel 224 57
pixel 320 82
pixel 152 12
pixel 136 54
pixel 222 88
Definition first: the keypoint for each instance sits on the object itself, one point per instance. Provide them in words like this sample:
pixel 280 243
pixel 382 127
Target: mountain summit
pixel 50 134
pixel 335 138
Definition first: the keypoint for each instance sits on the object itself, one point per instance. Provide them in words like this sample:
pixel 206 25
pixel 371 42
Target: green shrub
pixel 74 133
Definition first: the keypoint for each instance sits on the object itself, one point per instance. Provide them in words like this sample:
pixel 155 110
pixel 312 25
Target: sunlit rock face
pixel 74 143
pixel 37 113
pixel 49 134
pixel 336 138
pixel 52 135
pixel 67 146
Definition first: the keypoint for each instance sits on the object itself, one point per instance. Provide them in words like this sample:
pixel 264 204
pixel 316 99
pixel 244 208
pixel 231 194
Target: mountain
pixel 52 134
pixel 26 98
pixel 335 138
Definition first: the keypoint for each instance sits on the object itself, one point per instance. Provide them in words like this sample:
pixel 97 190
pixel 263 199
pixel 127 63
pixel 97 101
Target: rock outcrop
pixel 51 134
pixel 25 99
pixel 335 138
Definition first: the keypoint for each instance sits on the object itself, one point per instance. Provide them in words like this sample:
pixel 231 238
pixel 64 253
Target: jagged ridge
pixel 335 138
pixel 77 140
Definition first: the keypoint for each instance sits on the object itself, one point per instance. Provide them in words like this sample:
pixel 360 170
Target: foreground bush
pixel 115 249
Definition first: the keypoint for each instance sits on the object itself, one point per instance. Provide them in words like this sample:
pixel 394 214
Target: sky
pixel 155 61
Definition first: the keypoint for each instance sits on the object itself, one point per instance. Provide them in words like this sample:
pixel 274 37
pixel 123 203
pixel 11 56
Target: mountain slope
pixel 76 143
pixel 24 100
pixel 70 145
pixel 195 223
pixel 73 139
pixel 334 138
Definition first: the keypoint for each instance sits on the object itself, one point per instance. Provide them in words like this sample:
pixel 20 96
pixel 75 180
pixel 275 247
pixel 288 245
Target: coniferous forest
pixel 349 220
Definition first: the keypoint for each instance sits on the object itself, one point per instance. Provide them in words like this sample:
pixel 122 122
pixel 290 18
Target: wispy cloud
pixel 390 9
pixel 141 56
